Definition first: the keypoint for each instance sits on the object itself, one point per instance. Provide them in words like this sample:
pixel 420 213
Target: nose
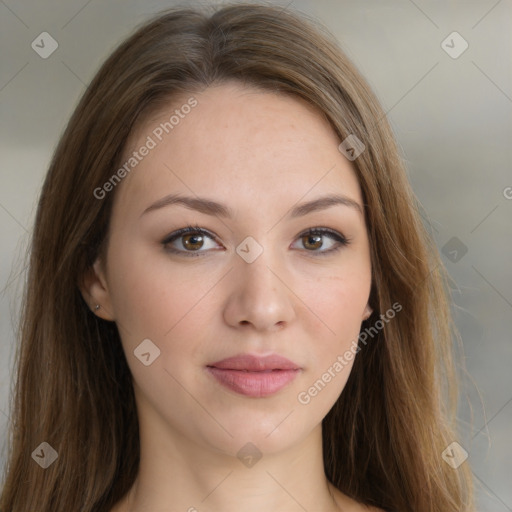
pixel 259 296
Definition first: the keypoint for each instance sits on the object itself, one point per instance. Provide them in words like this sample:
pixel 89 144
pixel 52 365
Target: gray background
pixel 452 118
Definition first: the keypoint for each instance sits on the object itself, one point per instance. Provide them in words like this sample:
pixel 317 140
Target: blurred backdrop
pixel 442 70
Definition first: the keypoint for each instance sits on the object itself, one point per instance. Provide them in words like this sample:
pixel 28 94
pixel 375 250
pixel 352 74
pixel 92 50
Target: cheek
pixel 339 305
pixel 338 302
pixel 155 298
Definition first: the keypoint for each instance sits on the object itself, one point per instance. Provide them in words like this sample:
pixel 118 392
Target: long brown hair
pixel 383 439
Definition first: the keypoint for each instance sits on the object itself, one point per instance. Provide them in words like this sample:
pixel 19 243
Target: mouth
pixel 254 376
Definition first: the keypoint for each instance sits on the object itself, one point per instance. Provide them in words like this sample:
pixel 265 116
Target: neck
pixel 178 475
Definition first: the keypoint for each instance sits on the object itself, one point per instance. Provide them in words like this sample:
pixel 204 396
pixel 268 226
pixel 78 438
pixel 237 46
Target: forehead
pixel 236 143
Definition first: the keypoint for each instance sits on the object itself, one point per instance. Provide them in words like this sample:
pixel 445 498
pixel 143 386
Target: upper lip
pixel 255 363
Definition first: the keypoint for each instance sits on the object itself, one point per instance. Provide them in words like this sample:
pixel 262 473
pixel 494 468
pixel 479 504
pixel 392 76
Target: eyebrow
pixel 210 207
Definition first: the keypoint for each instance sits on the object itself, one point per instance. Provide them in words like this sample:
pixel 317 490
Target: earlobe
pixel 367 312
pixel 94 289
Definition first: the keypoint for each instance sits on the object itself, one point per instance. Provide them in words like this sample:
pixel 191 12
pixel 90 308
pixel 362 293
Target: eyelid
pixel 337 236
pixel 188 229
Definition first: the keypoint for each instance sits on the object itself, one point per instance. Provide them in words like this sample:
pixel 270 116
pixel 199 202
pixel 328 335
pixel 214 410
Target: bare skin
pixel 340 503
pixel 260 154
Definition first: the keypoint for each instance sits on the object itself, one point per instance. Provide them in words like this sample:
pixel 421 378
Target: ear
pixel 367 312
pixel 95 291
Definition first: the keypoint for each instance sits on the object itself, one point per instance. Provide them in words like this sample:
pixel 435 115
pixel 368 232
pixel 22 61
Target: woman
pixel 232 302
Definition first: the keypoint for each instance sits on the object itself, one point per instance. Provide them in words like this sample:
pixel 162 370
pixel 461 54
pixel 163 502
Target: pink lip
pixel 254 376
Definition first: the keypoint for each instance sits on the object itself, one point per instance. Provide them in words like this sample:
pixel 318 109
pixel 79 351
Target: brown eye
pixel 312 241
pixel 192 241
pixel 188 241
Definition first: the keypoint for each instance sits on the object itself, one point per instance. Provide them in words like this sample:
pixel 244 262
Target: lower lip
pixel 253 384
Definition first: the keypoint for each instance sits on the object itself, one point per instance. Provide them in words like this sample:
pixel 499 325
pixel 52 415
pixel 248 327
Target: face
pixel 248 281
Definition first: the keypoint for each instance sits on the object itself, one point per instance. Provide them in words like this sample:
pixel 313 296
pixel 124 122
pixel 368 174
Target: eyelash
pixel 338 237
